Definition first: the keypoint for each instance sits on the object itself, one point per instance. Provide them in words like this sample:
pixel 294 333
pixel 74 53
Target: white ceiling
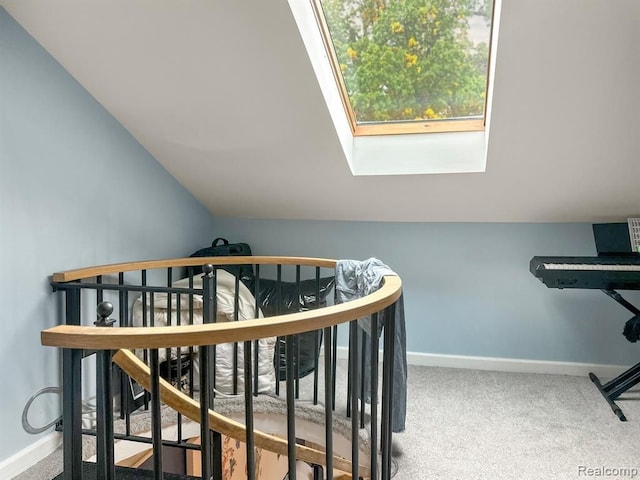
pixel 222 93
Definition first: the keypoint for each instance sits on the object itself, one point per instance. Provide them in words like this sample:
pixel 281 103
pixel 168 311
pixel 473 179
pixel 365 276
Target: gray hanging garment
pixel 356 279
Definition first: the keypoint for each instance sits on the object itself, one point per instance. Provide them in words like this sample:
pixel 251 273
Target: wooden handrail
pixel 96 338
pixel 114 268
pixel 190 408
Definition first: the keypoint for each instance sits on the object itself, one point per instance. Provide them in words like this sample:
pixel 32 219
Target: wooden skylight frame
pixel 470 124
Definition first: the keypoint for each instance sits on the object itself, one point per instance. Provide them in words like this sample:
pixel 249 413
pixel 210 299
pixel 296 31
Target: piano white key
pixel 598 267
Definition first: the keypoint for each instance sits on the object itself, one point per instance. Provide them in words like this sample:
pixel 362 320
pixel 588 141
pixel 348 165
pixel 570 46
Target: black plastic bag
pixel 293 300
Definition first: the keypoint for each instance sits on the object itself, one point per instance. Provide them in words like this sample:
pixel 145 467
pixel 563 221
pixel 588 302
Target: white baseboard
pixel 29 456
pixel 511 365
pixel 514 365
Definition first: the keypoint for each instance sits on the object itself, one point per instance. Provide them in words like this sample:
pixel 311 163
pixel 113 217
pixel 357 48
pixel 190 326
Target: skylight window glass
pixel 408 66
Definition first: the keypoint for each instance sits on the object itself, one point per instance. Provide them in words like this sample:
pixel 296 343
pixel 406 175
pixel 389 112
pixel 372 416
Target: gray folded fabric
pixel 356 279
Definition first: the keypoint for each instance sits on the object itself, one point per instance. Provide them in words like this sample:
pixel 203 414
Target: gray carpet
pixel 480 425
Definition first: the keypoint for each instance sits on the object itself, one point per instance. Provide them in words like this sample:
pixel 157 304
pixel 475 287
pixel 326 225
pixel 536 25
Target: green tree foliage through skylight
pixel 407 60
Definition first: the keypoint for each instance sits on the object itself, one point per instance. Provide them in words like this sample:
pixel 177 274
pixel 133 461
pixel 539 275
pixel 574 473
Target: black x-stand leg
pixel 627 379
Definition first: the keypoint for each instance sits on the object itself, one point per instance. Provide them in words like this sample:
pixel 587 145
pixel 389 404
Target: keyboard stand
pixel 627 379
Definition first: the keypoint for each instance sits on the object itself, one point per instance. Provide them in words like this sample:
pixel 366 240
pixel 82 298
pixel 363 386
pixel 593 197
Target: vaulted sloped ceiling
pixel 222 93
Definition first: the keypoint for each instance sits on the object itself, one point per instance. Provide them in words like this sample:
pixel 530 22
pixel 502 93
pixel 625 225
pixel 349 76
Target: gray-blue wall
pixel 75 190
pixel 468 290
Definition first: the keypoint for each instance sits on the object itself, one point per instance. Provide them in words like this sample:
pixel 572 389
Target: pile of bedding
pixel 165 312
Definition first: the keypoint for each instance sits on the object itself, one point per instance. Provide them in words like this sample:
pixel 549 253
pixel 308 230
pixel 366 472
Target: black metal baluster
pixel 145 313
pixel 105 466
pixel 363 343
pixel 256 347
pixel 126 400
pixel 334 364
pixel 212 310
pixel 216 440
pixel 328 398
pixel 99 291
pixel 129 401
pixel 191 350
pixel 156 421
pixel 387 390
pixel 374 395
pixel 316 345
pixel 152 323
pixel 167 354
pixel 144 303
pixel 206 387
pixel 179 358
pixel 152 306
pixel 248 407
pixel 317 472
pixel 212 448
pixel 206 454
pixel 353 395
pixel 291 412
pixel 72 395
pixel 236 306
pixel 296 340
pixel 278 339
pixel 349 376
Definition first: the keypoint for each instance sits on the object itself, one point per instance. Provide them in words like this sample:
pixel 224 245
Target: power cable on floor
pixel 88 409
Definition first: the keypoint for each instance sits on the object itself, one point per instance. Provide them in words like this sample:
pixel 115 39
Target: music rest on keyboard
pixel 604 272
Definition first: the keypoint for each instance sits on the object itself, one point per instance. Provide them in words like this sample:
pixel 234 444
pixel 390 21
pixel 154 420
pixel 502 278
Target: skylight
pixel 453 145
pixel 409 66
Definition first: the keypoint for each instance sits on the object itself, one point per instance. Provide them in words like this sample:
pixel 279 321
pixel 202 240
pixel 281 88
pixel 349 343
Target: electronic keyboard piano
pixel 608 274
pixel 602 273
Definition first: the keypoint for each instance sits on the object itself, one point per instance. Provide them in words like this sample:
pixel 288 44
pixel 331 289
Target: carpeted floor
pixel 479 425
pixel 482 425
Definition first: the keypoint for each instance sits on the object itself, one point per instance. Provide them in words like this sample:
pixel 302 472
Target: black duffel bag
pixel 221 247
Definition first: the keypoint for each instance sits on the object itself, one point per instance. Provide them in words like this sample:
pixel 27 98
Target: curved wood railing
pixel 76 338
pixel 72 336
pixel 190 408
pixel 90 272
